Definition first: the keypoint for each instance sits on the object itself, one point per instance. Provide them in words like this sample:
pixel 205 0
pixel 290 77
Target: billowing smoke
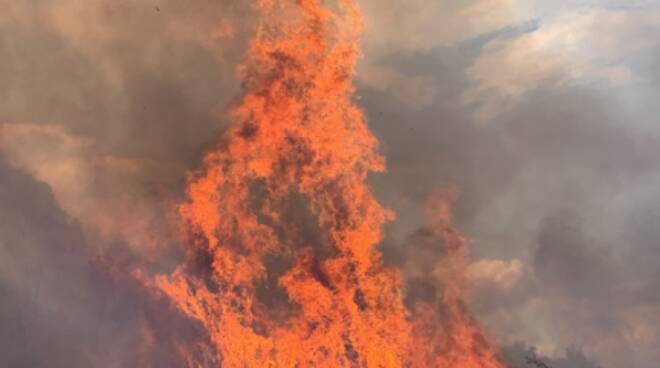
pixel 538 112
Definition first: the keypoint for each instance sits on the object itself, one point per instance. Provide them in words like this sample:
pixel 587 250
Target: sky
pixel 542 114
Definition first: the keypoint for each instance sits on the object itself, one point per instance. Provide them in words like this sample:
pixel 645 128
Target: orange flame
pixel 451 336
pixel 270 287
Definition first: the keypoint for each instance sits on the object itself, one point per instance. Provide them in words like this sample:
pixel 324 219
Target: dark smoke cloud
pixel 56 310
pixel 111 102
pixel 521 356
pixel 62 307
pixel 108 103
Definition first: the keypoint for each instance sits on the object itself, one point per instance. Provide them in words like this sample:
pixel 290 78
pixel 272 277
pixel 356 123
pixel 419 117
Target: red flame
pixel 274 290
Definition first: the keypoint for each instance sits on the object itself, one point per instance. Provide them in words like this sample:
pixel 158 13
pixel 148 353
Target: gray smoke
pixel 540 113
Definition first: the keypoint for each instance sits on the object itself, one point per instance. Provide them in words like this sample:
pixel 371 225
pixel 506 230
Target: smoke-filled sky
pixel 542 113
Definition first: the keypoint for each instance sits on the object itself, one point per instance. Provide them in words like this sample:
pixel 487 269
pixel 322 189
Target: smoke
pixel 58 309
pixel 143 81
pixel 553 145
pixel 104 107
pixel 557 182
pixel 110 104
pixel 519 356
pixel 552 185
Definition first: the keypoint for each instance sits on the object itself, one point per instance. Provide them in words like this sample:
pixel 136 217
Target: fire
pixel 443 323
pixel 273 288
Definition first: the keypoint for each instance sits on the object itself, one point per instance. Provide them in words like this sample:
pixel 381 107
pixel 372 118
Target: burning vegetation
pixel 280 226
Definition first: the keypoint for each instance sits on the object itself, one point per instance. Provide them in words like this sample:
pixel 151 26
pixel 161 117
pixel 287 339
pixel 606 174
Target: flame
pixel 272 289
pixel 443 324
